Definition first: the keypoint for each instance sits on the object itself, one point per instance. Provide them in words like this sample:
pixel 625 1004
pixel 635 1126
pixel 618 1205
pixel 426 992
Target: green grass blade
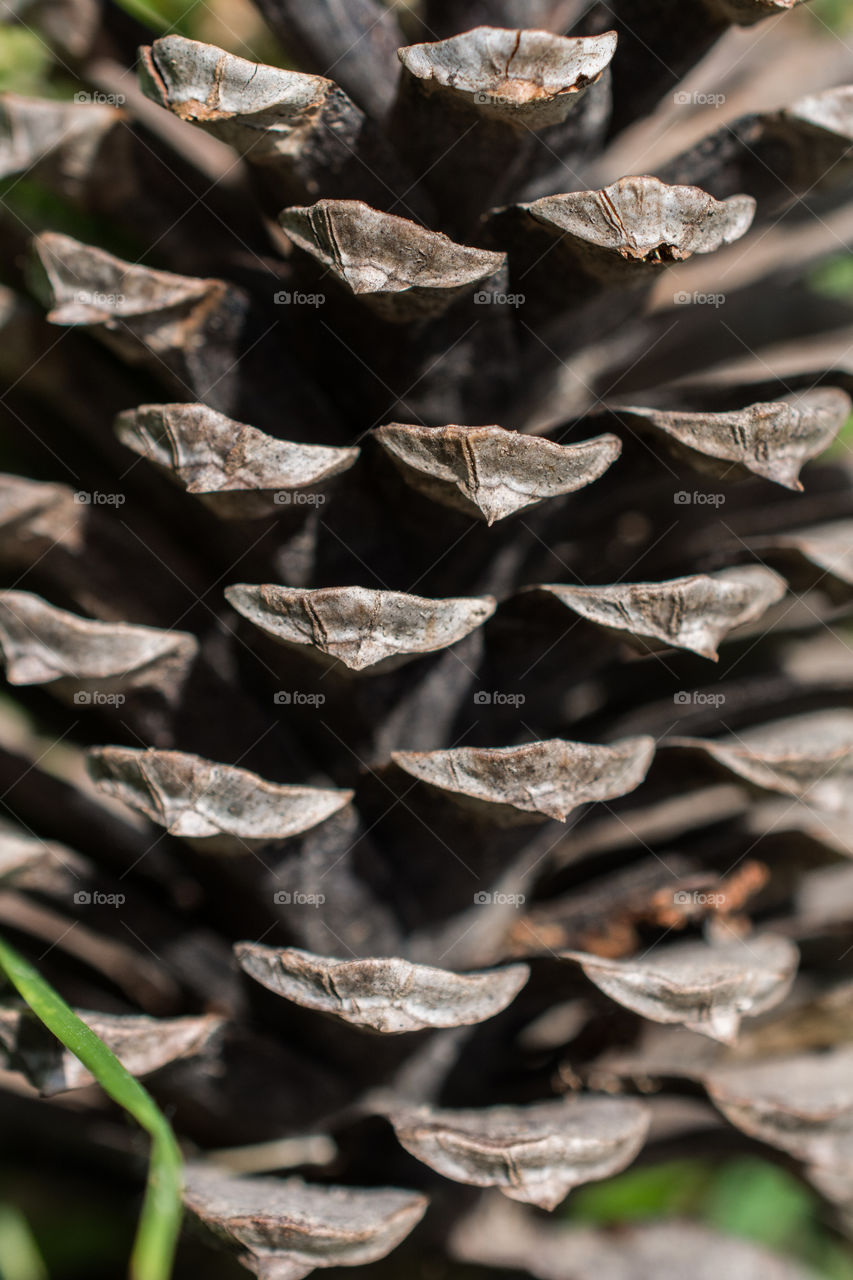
pixel 160 1220
pixel 163 17
pixel 19 1255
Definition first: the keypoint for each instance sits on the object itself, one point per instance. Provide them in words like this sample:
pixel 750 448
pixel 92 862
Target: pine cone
pixel 431 770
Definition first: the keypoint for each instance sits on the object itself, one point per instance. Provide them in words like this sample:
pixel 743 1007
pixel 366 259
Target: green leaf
pixel 834 14
pixel 165 17
pixel 834 276
pixel 751 1197
pixel 674 1187
pixel 24 61
pixel 160 1220
pixel 19 1255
